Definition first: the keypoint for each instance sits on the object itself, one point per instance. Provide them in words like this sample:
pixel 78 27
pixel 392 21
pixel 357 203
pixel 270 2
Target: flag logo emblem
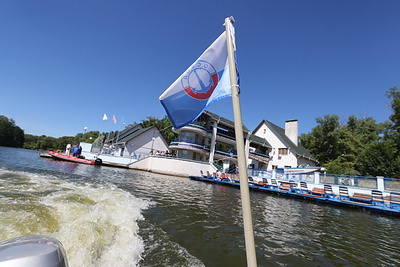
pixel 200 80
pixel 206 80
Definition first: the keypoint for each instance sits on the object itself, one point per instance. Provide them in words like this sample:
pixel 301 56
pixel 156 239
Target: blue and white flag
pixel 205 81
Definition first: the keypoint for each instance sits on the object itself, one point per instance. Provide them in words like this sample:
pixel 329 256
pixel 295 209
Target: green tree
pixel 166 129
pixel 150 121
pixel 337 146
pixel 393 127
pixel 355 137
pixel 394 94
pixel 30 141
pixel 164 125
pixel 90 137
pixel 324 140
pixel 341 165
pixel 10 134
pixel 382 157
pixel 379 159
pixel 61 142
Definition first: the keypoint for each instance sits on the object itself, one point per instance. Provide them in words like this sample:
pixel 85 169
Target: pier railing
pixel 356 181
pixel 380 183
pixel 392 184
pixel 296 177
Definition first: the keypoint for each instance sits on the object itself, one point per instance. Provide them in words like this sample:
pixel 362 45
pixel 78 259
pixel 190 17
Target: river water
pixel 108 216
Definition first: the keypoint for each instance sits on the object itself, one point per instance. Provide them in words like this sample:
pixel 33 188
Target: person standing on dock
pixel 68 150
pixel 75 150
pixel 79 152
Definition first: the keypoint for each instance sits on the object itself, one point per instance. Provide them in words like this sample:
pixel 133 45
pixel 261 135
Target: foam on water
pixel 97 225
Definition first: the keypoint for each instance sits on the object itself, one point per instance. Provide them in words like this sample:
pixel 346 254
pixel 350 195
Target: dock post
pixel 316 178
pixel 380 183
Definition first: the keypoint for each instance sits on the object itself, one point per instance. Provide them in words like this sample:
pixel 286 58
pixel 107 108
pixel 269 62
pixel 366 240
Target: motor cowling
pixel 36 250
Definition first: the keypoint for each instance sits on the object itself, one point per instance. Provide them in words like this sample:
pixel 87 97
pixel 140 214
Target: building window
pixel 283 151
pixel 188 137
pixel 265 131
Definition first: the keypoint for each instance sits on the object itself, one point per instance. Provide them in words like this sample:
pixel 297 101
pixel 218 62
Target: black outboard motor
pixel 35 250
pixel 98 162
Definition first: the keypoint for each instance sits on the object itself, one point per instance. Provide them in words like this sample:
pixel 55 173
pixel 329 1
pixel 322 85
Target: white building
pixel 211 138
pixel 285 148
pixel 136 142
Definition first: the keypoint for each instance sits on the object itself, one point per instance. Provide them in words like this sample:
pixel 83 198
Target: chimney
pixel 292 131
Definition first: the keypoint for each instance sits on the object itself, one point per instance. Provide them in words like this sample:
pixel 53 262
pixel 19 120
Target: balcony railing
pixel 226 135
pixel 357 181
pixel 226 153
pixel 198 126
pixel 260 154
pixel 189 143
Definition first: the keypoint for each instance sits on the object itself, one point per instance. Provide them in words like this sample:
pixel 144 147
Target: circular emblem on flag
pixel 200 80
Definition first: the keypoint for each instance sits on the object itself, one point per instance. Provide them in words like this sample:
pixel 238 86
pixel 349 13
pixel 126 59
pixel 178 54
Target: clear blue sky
pixel 63 64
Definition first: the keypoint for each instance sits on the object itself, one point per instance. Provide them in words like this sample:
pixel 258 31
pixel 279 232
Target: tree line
pixel 359 146
pixel 10 134
pixel 13 136
pixel 46 143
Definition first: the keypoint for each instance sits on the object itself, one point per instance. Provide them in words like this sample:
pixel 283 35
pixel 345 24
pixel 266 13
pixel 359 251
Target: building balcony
pixel 226 138
pixel 200 129
pixel 194 127
pixel 259 156
pixel 188 145
pixel 225 154
pixel 182 144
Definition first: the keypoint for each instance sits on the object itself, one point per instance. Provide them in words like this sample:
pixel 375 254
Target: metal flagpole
pixel 244 188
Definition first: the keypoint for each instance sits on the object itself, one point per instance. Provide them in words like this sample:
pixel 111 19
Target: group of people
pixel 76 150
pixel 160 153
pixel 221 176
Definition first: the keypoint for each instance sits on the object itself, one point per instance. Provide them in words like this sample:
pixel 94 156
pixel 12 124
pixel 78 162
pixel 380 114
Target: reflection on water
pixel 205 219
pixel 105 214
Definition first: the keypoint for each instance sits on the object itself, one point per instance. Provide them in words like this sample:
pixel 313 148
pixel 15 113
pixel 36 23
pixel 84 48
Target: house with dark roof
pixel 285 148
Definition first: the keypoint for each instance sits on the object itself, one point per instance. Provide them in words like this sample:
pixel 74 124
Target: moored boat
pixel 374 201
pixel 61 156
pixel 44 155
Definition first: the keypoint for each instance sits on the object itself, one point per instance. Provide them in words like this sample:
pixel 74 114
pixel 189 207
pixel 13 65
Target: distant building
pixel 285 149
pixel 212 138
pixel 136 141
